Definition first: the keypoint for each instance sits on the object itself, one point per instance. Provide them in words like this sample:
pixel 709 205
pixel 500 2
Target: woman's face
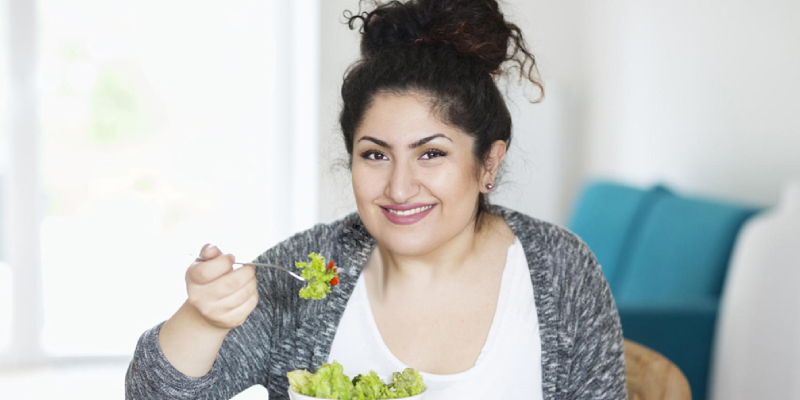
pixel 414 177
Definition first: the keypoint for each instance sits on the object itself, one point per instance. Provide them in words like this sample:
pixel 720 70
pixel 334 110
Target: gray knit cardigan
pixel 582 350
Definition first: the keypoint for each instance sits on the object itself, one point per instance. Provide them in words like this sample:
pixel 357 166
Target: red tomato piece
pixel 330 265
pixel 335 281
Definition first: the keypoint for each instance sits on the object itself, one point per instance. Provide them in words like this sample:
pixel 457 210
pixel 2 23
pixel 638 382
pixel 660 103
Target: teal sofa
pixel 665 257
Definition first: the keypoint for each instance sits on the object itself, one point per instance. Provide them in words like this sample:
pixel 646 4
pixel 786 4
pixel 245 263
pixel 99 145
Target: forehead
pixel 404 117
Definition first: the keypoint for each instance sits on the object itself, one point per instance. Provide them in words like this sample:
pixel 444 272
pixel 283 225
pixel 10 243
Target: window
pixel 155 132
pixel 155 124
pixel 145 132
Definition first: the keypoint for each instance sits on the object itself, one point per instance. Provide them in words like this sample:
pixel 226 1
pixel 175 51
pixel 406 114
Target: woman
pixel 484 301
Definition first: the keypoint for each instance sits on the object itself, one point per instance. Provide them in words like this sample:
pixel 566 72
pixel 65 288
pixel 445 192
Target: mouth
pixel 407 215
pixel 409 212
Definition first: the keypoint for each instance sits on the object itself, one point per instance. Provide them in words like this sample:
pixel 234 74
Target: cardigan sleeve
pixel 239 364
pixel 597 359
pixel 244 357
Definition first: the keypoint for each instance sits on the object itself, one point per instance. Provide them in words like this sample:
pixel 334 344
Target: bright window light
pixel 5 270
pixel 155 131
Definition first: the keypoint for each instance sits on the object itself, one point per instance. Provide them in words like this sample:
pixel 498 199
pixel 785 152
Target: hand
pixel 224 297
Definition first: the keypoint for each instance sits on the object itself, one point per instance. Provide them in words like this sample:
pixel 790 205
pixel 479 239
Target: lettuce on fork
pixel 319 277
pixel 330 382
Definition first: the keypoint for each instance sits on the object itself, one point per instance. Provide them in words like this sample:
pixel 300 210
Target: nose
pixel 403 184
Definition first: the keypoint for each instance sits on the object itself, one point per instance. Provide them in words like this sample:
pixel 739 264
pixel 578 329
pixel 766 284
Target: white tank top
pixel 508 367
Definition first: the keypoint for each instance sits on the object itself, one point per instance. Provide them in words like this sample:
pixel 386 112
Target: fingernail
pixel 208 251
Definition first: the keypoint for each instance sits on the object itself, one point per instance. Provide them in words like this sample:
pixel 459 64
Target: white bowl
pixel 298 396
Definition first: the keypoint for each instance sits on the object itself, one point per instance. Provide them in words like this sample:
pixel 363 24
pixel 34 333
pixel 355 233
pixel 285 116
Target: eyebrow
pixel 376 141
pixel 426 140
pixel 411 146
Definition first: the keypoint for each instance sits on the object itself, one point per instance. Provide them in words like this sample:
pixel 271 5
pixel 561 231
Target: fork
pixel 298 277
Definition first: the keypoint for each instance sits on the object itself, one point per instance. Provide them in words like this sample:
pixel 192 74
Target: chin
pixel 408 243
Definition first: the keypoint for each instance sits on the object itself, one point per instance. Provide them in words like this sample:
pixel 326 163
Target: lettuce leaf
pixel 407 383
pixel 371 387
pixel 330 382
pixel 299 379
pixel 318 277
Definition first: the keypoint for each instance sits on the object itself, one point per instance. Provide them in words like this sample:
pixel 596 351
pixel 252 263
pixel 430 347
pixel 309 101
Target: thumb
pixel 214 266
pixel 210 251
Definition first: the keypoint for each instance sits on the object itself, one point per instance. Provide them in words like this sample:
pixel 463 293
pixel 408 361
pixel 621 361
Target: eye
pixel 373 155
pixel 432 153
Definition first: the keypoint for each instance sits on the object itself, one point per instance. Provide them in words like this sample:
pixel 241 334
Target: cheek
pixel 456 183
pixel 366 184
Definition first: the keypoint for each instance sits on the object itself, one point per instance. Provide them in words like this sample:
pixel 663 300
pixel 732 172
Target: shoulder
pixel 563 269
pixel 549 243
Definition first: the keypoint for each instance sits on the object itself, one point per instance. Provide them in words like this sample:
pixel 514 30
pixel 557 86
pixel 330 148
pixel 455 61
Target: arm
pixel 189 342
pixel 239 361
pixel 597 362
pixel 244 355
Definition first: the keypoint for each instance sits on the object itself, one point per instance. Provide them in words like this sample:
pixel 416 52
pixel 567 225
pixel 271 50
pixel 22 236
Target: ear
pixel 491 164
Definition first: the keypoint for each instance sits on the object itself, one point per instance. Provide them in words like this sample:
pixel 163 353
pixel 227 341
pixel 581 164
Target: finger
pixel 238 298
pixel 204 295
pixel 238 315
pixel 232 281
pixel 207 252
pixel 207 271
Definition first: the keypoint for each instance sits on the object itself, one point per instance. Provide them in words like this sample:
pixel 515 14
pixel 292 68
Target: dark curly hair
pixel 451 51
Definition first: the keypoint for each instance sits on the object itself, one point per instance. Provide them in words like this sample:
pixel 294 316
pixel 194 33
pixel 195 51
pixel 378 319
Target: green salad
pixel 330 382
pixel 319 277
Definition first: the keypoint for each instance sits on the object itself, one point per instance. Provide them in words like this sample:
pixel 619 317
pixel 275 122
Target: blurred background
pixel 132 133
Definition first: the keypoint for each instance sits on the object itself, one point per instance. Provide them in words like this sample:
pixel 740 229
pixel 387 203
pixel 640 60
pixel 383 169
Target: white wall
pixel 544 164
pixel 339 49
pixel 700 95
pixel 703 95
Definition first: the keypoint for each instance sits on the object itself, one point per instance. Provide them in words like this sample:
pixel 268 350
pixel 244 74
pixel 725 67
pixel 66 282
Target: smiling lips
pixel 406 214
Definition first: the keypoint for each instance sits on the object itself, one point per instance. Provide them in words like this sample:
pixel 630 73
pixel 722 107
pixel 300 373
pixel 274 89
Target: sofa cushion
pixel 681 250
pixel 606 216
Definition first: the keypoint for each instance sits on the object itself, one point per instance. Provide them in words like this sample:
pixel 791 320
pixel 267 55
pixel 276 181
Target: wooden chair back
pixel 651 376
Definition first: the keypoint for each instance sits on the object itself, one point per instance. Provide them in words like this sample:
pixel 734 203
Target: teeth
pixel 409 212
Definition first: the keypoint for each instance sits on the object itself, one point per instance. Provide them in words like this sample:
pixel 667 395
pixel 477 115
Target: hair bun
pixel 388 25
pixel 475 28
